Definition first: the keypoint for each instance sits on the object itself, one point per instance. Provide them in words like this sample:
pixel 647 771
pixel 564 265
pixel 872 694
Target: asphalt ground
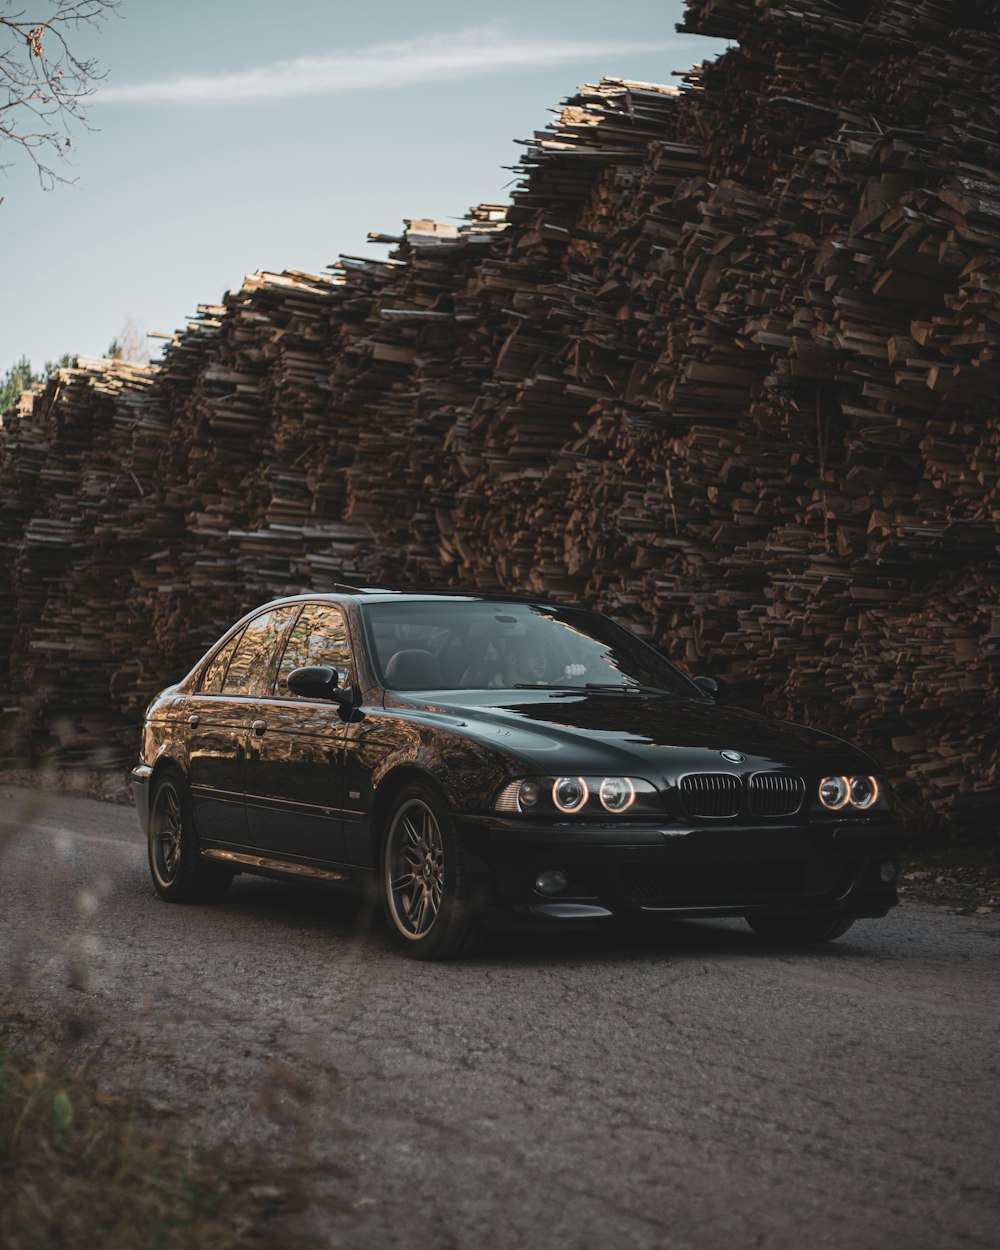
pixel 686 1086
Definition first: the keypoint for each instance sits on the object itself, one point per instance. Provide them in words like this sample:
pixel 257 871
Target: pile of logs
pixel 726 367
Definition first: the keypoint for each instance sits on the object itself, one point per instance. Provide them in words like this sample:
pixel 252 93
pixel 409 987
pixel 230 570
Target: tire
pixel 427 881
pixel 179 873
pixel 795 929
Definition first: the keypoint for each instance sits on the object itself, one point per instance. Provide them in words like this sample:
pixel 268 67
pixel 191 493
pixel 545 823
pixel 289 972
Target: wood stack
pixel 64 461
pixel 726 367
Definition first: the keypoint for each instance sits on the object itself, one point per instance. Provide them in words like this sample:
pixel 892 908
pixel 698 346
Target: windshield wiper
pixel 561 685
pixel 669 694
pixel 619 688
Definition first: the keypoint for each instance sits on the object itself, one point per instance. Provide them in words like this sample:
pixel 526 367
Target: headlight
pixel 834 792
pixel 519 796
pixel 528 794
pixel 864 791
pixel 617 794
pixel 569 793
pixel 837 792
pixel 592 797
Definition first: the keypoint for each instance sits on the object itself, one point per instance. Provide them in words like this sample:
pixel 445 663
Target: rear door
pixel 295 776
pixel 222 725
pixel 215 734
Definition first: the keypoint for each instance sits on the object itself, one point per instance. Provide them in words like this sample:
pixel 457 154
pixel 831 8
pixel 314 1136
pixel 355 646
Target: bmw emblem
pixel 733 757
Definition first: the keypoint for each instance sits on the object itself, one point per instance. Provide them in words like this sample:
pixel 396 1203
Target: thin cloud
pixel 427 59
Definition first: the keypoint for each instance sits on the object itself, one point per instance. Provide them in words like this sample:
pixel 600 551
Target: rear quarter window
pixel 251 665
pixel 215 673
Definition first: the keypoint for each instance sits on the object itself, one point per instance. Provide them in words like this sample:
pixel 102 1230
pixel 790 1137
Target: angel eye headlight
pixel 864 791
pixel 834 792
pixel 617 794
pixel 569 794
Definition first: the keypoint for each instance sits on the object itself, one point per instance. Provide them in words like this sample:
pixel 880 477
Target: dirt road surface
pixel 691 1088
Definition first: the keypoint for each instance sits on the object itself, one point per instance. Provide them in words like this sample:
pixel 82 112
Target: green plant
pixel 82 1168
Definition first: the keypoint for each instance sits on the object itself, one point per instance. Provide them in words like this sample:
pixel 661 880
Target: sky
pixel 236 135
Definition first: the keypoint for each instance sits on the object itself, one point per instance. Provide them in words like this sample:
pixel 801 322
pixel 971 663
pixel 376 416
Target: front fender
pixel 467 772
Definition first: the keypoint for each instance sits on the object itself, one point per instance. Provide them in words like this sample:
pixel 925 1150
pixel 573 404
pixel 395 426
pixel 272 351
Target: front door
pixel 295 755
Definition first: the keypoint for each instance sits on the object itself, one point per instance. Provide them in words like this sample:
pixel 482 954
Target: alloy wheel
pixel 165 834
pixel 414 869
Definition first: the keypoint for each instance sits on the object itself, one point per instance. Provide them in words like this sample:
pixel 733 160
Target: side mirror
pixel 714 689
pixel 318 681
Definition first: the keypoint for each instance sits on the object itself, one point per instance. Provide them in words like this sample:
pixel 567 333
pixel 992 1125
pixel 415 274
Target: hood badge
pixel 733 757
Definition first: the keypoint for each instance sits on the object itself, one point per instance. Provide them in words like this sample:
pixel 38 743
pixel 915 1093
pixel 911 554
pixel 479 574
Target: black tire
pixel 179 873
pixel 790 930
pixel 426 878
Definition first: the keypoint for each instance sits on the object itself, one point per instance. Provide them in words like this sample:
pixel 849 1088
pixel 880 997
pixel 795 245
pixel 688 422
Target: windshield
pixel 471 645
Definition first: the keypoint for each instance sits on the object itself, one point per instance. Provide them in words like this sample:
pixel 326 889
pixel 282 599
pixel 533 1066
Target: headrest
pixel 413 670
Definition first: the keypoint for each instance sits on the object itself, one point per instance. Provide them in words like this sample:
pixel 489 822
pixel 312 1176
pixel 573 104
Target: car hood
pixel 656 737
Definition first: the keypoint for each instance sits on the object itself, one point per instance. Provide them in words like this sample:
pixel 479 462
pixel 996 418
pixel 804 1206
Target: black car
pixel 481 759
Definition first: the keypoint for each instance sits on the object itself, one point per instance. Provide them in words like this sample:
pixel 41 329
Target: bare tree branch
pixel 44 85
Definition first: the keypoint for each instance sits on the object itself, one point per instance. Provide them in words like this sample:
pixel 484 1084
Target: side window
pixel 214 675
pixel 319 637
pixel 249 667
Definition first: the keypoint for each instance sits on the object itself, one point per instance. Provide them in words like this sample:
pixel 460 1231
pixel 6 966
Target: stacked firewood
pixel 725 367
pixel 64 461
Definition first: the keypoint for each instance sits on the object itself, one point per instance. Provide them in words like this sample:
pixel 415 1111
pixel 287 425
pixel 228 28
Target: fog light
pixel 887 871
pixel 551 881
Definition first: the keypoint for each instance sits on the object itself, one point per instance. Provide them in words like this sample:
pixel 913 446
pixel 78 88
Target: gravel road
pixel 688 1087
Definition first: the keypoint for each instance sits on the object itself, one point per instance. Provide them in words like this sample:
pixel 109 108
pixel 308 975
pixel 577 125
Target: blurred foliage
pixel 82 1168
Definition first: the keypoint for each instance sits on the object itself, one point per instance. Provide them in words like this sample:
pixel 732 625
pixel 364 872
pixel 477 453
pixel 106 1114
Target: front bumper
pixel 139 779
pixel 805 868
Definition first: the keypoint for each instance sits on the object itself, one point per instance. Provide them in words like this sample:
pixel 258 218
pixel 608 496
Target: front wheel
pixel 793 929
pixel 427 879
pixel 179 873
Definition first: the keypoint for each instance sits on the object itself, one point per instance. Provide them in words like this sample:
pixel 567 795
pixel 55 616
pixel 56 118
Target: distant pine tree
pixel 20 377
pixel 15 382
pixel 65 361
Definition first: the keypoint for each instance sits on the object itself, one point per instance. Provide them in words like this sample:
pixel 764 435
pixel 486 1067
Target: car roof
pixel 383 594
pixel 435 592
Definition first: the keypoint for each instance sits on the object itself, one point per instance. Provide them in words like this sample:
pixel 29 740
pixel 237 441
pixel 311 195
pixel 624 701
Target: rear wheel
pixel 427 879
pixel 793 929
pixel 179 873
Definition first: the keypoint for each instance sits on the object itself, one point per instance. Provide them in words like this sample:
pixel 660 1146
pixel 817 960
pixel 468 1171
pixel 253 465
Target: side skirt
pixel 262 864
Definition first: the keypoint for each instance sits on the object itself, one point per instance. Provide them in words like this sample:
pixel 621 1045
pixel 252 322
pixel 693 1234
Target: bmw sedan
pixel 481 760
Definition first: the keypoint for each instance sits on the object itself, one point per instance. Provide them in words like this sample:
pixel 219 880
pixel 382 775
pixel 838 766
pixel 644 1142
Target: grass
pixel 82 1168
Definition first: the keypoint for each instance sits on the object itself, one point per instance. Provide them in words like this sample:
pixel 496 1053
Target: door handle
pixel 259 727
pixel 194 720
